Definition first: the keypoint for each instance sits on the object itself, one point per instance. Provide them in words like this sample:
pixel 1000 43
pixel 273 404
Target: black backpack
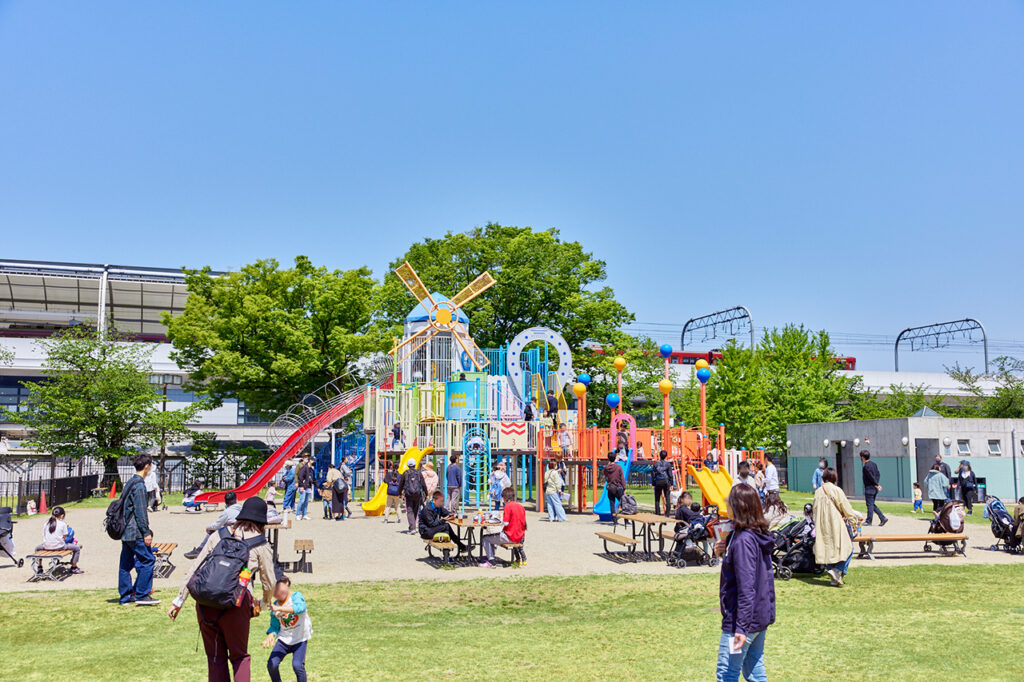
pixel 215 582
pixel 340 485
pixel 413 482
pixel 114 522
pixel 627 505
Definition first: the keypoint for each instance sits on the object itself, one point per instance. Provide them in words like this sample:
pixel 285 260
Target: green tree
pixel 896 402
pixel 541 280
pixel 1006 400
pixel 640 395
pixel 97 401
pixel 268 336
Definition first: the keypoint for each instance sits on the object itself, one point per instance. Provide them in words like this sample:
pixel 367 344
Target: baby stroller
pixel 794 549
pixel 1003 527
pixel 950 519
pixel 7 535
pixel 692 538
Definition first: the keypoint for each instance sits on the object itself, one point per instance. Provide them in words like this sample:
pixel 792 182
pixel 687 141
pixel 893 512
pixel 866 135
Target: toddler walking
pixel 918 501
pixel 292 627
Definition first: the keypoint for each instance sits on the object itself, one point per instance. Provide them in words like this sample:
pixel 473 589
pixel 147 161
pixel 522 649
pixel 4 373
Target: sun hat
pixel 254 509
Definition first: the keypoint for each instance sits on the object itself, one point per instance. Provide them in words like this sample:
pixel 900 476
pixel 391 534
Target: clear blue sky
pixel 857 168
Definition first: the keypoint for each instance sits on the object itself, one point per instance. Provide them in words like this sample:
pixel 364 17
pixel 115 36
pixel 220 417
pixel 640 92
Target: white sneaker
pixel 305 518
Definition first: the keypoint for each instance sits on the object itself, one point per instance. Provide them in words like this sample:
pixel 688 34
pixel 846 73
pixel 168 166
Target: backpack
pixel 114 523
pixel 661 472
pixel 215 582
pixel 413 482
pixel 627 505
pixel 339 486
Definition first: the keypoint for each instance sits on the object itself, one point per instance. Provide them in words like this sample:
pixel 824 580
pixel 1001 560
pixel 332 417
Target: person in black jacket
pixel 872 486
pixel 552 404
pixel 968 484
pixel 305 480
pixel 434 519
pixel 413 487
pixel 662 473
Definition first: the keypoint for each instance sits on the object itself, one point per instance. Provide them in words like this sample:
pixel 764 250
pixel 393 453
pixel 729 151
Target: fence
pixel 16 494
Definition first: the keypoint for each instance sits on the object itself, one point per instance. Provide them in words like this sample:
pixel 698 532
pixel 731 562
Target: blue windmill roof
pixel 419 313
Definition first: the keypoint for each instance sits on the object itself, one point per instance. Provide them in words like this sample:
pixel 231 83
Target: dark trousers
pixel 937 504
pixel 968 495
pixel 428 533
pixel 226 638
pixel 869 498
pixel 614 495
pixel 298 652
pixel 661 492
pixel 412 509
pixel 135 555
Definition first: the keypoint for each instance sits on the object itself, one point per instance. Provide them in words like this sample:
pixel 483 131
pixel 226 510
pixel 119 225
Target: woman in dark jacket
pixel 746 590
pixel 968 484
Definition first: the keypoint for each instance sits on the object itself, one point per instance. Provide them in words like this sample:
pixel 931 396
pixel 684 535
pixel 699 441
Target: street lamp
pixel 164 380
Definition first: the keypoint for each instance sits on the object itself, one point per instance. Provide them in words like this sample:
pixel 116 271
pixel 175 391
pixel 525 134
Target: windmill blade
pixel 411 339
pixel 473 289
pixel 413 283
pixel 468 345
pixel 433 333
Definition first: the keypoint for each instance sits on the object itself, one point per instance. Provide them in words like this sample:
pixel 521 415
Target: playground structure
pixel 445 396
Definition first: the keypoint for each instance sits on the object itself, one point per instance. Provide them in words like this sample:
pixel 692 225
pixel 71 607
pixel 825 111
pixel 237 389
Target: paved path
pixel 364 548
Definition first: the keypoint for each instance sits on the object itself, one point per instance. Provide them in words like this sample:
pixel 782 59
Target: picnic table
pixel 646 522
pixel 470 526
pixel 273 530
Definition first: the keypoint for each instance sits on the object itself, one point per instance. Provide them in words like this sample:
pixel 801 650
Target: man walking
pixel 771 475
pixel 662 473
pixel 134 552
pixel 872 486
pixel 413 487
pixel 453 481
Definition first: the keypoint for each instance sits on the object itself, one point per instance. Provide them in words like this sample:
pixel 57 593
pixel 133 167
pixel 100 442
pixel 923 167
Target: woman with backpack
pixel 223 607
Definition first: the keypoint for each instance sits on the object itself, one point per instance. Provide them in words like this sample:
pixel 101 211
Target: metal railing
pixel 17 494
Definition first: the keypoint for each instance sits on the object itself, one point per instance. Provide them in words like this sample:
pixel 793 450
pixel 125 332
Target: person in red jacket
pixel 514 530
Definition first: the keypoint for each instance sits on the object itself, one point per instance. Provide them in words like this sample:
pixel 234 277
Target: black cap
pixel 254 509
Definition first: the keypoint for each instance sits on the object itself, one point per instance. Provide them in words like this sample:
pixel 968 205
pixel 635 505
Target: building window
pixel 244 417
pixel 964 447
pixel 995 448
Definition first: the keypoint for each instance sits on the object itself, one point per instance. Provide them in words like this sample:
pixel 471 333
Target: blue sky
pixel 855 168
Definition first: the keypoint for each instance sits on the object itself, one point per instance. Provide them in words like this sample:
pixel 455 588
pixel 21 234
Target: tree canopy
pixel 268 335
pixel 541 280
pixel 97 400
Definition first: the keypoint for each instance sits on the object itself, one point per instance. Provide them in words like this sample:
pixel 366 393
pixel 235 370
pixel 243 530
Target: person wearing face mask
pixel 743 475
pixel 816 479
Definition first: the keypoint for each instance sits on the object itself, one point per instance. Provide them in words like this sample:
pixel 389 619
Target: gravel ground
pixel 365 548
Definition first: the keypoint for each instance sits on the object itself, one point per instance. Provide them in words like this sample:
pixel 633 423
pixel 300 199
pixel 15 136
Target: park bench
pixel 628 543
pixel 510 546
pixel 445 548
pixel 958 546
pixel 302 564
pixel 58 564
pixel 163 566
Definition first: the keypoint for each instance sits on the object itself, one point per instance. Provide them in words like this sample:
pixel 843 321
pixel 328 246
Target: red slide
pixel 290 448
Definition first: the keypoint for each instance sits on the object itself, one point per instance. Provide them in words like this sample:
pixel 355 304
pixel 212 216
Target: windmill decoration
pixel 441 315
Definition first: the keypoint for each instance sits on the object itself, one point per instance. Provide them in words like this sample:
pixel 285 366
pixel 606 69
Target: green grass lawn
pixel 888 623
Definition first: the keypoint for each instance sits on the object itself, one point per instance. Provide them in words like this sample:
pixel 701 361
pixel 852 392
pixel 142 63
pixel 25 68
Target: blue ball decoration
pixel 703 374
pixel 584 379
pixel 665 350
pixel 612 400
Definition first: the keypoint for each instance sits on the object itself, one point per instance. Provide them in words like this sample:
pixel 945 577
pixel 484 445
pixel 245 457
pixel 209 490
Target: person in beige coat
pixel 833 547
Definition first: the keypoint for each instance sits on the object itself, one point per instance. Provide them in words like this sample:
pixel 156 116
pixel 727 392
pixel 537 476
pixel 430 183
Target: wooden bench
pixel 957 541
pixel 511 546
pixel 628 543
pixel 57 568
pixel 163 566
pixel 446 549
pixel 302 564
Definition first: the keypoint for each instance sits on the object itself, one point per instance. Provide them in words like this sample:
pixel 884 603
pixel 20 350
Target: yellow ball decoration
pixel 580 389
pixel 443 316
pixel 665 386
pixel 702 364
pixel 619 363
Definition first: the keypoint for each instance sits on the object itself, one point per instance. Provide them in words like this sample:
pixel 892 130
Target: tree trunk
pixel 110 474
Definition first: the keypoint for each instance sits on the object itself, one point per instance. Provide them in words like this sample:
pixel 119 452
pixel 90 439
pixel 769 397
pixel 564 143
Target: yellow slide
pixel 714 486
pixel 375 507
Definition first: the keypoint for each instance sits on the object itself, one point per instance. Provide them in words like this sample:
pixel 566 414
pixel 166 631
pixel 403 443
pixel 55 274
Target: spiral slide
pixel 290 448
pixel 375 506
pixel 602 508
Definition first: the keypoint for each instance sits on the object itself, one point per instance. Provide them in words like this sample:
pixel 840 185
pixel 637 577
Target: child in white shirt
pixel 291 625
pixel 55 536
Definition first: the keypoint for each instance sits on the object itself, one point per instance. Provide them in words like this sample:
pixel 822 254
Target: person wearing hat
pixel 412 486
pixel 225 632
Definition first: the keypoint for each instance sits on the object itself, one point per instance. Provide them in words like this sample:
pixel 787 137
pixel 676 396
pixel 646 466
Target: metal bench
pixel 957 542
pixel 628 543
pixel 446 549
pixel 163 566
pixel 58 564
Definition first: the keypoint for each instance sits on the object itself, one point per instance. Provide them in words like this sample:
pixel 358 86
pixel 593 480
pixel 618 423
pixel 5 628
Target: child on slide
pixel 291 626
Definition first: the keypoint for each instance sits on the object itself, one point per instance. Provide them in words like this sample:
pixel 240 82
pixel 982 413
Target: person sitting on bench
pixel 434 519
pixel 226 518
pixel 56 536
pixel 513 531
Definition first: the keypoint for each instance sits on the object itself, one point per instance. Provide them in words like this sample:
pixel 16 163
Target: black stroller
pixel 950 519
pixel 7 533
pixel 794 549
pixel 692 538
pixel 1003 527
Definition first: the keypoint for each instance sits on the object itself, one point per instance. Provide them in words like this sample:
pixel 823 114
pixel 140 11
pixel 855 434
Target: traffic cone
pixel 113 490
pixel 42 501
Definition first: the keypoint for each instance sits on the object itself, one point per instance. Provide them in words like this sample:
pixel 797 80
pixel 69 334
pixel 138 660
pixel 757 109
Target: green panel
pixel 799 472
pixel 895 473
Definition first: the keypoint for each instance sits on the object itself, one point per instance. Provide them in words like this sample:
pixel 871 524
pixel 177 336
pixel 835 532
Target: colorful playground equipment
pixel 375 505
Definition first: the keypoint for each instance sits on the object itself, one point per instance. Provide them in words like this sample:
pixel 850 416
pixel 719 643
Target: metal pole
pixel 1013 451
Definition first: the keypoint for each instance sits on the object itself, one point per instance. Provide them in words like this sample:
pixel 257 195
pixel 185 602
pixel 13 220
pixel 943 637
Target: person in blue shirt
pixel 289 486
pixel 816 480
pixel 453 480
